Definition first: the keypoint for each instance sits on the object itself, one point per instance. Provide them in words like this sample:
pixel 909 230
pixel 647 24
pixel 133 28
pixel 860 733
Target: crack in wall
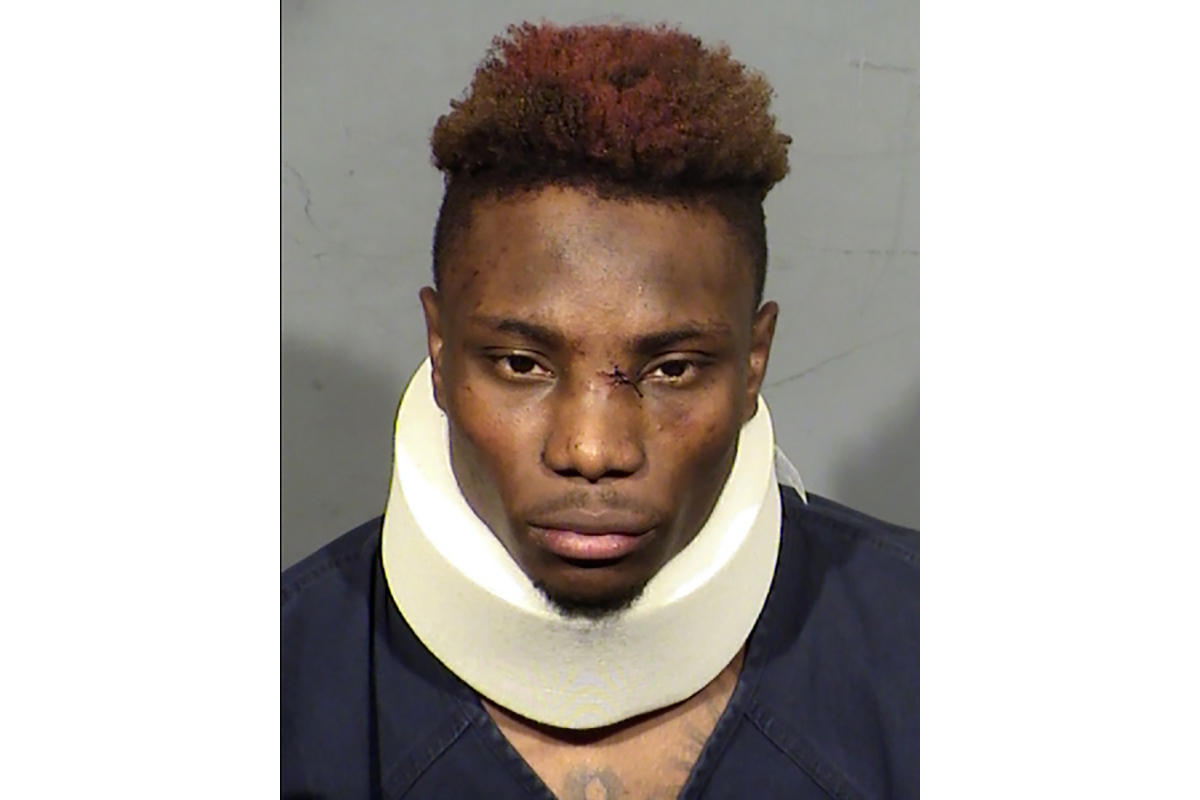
pixel 863 64
pixel 307 193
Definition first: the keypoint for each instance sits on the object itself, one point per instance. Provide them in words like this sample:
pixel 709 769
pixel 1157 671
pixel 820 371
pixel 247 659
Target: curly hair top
pixel 625 104
pixel 622 110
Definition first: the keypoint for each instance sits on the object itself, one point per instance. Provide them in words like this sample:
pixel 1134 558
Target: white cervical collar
pixel 474 608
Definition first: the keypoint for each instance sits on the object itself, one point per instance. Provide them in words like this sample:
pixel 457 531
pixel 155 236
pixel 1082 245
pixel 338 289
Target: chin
pixel 590 602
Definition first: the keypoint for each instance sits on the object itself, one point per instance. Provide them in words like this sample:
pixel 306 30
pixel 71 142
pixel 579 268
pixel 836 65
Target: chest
pixel 650 756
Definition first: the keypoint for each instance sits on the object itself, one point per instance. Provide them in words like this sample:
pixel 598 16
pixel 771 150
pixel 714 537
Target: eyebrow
pixel 532 331
pixel 661 340
pixel 645 344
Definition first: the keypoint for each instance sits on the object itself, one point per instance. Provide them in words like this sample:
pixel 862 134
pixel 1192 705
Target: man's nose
pixel 595 432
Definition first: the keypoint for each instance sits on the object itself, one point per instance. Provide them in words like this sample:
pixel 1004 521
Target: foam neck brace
pixel 473 607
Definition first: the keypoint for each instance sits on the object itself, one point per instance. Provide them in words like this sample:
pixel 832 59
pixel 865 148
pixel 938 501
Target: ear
pixel 762 333
pixel 433 332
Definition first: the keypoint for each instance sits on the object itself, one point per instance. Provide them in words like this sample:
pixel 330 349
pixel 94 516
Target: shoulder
pixel 338 566
pixel 326 603
pixel 856 581
pixel 854 563
pixel 325 663
pixel 327 592
pixel 839 526
pixel 841 688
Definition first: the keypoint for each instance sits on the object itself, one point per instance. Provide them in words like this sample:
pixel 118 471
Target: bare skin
pixel 647 757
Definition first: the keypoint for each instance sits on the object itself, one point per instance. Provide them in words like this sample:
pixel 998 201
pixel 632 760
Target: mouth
pixel 591 540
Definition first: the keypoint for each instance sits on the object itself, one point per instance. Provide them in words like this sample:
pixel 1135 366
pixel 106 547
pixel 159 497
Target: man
pixel 587 582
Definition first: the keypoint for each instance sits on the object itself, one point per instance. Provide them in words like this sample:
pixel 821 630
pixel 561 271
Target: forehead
pixel 594 265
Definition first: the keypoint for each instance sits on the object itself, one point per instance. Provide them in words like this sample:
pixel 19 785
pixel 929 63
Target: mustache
pixel 592 502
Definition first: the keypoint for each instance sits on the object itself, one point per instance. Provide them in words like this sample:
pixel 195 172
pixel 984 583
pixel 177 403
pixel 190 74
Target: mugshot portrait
pixel 597 572
pixel 365 82
pixel 607 377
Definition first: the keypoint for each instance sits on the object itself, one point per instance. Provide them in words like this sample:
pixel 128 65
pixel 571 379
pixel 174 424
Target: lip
pixel 591 537
pixel 590 545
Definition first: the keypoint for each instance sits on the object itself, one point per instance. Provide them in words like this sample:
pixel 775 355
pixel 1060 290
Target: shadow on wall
pixel 884 479
pixel 337 419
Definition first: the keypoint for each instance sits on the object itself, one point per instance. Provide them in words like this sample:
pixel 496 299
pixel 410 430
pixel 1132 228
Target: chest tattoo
pixel 584 783
pixel 648 758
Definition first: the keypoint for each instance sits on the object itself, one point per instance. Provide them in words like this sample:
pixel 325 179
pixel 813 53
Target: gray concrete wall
pixel 365 80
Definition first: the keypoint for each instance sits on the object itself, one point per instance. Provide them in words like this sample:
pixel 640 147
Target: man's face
pixel 596 359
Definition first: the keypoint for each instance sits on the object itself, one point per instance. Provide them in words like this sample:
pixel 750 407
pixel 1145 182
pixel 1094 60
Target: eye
pixel 673 371
pixel 518 366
